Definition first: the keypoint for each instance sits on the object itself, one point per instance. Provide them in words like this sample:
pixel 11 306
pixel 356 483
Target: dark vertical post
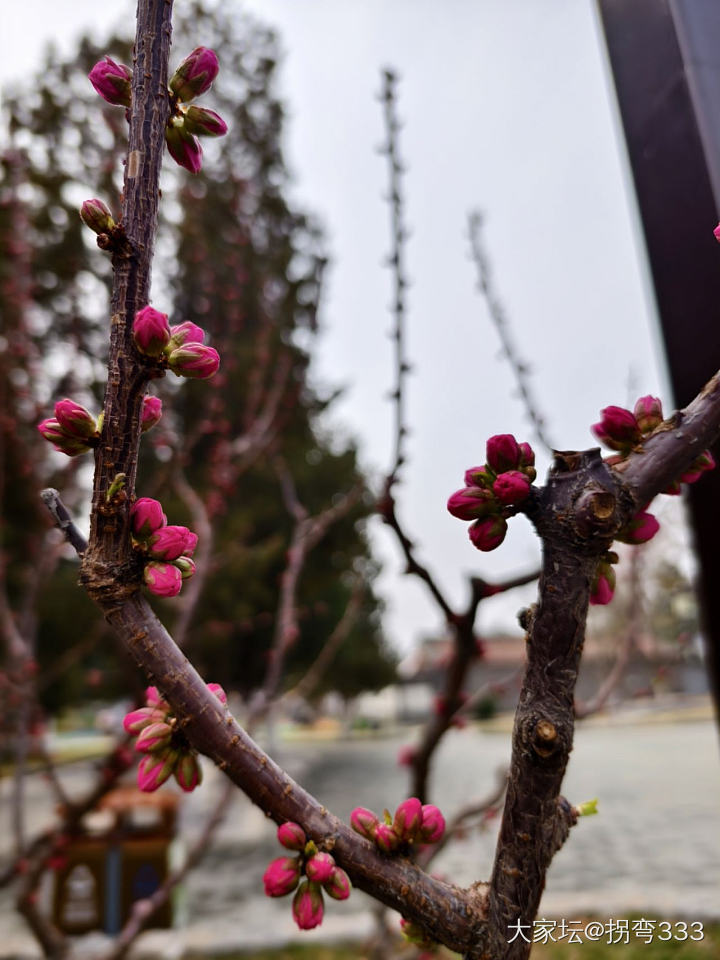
pixel 665 59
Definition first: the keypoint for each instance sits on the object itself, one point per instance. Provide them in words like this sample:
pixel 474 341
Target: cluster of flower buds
pixel 317 870
pixel 623 431
pixel 167 549
pixel 413 823
pixel 192 78
pixel 72 430
pixel 493 492
pixel 166 748
pixel 179 347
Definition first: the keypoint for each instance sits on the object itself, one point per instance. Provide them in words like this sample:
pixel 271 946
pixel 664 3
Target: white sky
pixel 508 107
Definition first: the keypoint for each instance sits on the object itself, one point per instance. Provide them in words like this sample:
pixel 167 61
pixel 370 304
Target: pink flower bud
pixel 641 528
pixel 155 736
pixel 151 412
pixel 186 566
pixel 281 876
pixel 153 697
pixel 151 331
pixel 338 886
pixel 183 147
pixel 168 543
pixel 471 503
pixel 218 691
pixel 698 467
pixel 406 756
pixel 488 534
pixel 307 908
pixel 716 233
pixel 188 772
pixel 385 838
pixel 527 455
pixel 96 215
pixel 511 487
pixel 407 819
pixel 617 429
pixel 648 413
pixel 162 579
pixel 204 123
pixel 190 543
pixel 503 452
pixel 291 835
pixel 433 824
pixel 146 516
pixel 603 586
pixel 364 822
pixel 194 360
pixel 478 477
pixel 64 442
pixel 137 720
pixel 154 769
pixel 75 419
pixel 320 867
pixel 195 74
pixel 186 333
pixel 112 81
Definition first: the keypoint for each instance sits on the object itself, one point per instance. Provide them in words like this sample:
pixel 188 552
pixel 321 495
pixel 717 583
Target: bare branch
pixel 63 520
pixel 499 320
pixel 396 262
pixel 454 916
pixel 307 533
pixel 308 684
pixel 202 526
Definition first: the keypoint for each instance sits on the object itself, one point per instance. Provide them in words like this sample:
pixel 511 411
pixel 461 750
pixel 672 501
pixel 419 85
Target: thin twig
pixel 396 262
pixel 499 320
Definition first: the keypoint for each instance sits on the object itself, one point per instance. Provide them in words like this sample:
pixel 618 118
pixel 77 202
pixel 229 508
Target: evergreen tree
pixel 245 266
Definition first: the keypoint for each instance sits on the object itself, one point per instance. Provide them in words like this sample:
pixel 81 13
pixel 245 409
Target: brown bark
pixel 109 567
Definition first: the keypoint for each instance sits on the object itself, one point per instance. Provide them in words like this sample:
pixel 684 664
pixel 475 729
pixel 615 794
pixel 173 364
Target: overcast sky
pixel 507 106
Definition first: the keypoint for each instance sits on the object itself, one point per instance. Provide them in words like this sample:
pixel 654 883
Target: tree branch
pixel 498 318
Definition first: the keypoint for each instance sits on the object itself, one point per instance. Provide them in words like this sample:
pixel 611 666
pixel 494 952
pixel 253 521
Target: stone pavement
pixel 654 848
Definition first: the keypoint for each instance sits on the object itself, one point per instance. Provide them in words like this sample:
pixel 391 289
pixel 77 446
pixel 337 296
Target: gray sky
pixel 508 107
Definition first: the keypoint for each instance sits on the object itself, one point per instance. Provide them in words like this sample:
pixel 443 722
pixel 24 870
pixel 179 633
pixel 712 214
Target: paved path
pixel 654 848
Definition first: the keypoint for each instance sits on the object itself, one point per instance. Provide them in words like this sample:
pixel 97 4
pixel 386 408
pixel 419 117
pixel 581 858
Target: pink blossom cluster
pixel 413 823
pixel 318 870
pixel 624 431
pixel 194 76
pixel 167 549
pixel 493 492
pixel 166 748
pixel 179 347
pixel 74 430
